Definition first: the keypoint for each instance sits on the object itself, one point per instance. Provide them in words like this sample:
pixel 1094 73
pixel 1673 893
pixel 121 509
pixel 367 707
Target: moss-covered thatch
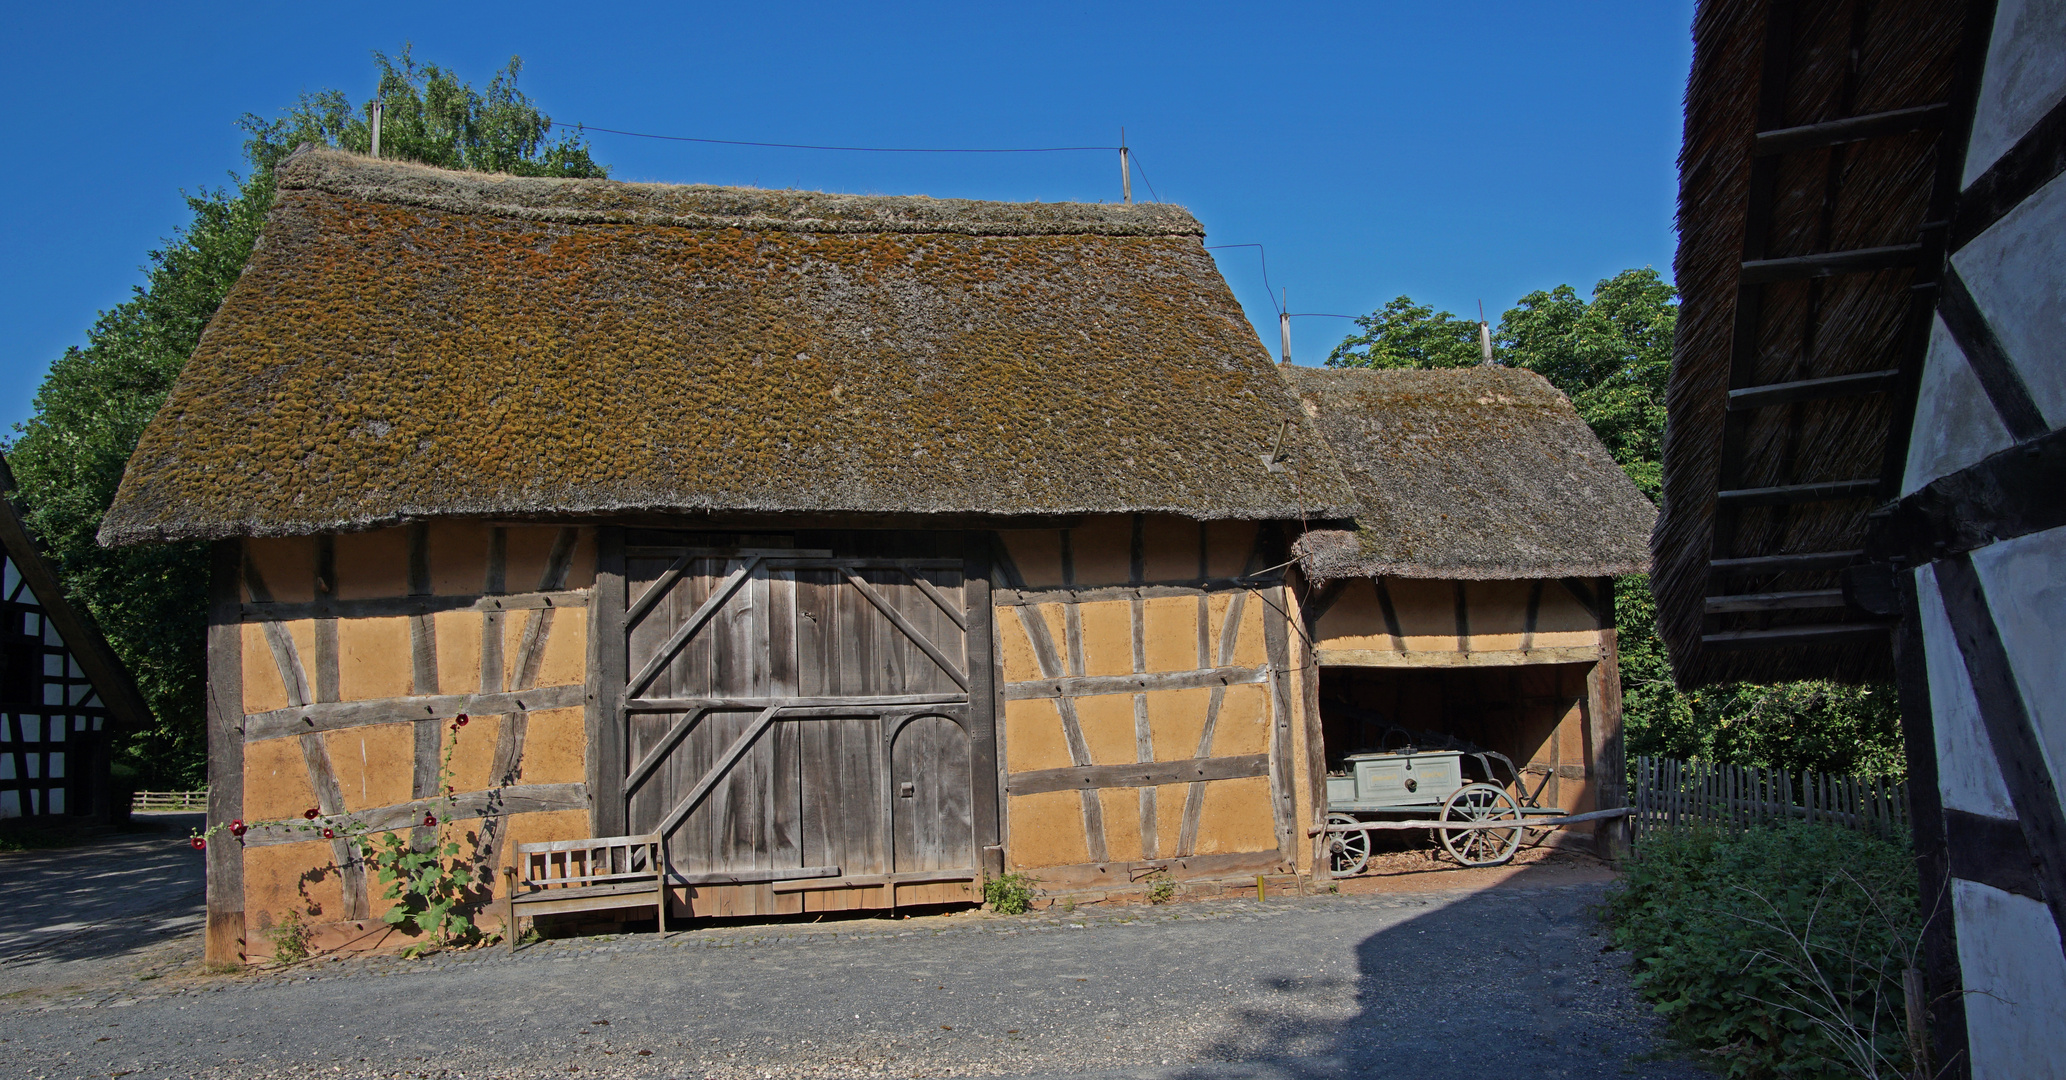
pixel 1483 472
pixel 409 342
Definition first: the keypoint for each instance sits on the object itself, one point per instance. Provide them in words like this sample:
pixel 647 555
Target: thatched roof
pixel 408 343
pixel 1738 482
pixel 1482 472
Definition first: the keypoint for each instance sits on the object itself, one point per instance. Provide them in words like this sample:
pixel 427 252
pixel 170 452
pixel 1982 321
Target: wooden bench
pixel 585 875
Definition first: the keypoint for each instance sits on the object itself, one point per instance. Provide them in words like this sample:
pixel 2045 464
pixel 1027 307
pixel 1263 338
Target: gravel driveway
pixel 1506 981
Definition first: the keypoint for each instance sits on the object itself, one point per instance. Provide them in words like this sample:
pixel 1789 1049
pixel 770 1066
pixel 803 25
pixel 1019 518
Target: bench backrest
pixel 595 861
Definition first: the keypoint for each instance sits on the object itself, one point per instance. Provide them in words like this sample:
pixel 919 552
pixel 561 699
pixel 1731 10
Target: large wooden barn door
pixel 797 720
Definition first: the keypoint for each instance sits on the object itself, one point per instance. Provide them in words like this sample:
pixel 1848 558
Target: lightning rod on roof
pixel 1125 170
pixel 1484 334
pixel 1284 324
pixel 376 127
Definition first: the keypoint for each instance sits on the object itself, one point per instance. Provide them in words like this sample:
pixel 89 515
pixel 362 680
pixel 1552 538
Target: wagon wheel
pixel 1347 852
pixel 1481 847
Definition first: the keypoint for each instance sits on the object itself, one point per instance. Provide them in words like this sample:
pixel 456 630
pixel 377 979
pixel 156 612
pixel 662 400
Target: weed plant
pixel 1779 952
pixel 290 938
pixel 1009 894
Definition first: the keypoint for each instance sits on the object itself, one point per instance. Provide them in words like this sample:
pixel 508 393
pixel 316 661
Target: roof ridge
pixel 705 206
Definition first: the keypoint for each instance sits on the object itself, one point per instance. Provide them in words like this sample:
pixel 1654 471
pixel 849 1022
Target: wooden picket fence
pixel 1668 792
pixel 170 800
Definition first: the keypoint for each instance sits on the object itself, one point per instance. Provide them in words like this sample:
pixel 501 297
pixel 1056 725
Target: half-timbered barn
pixel 63 693
pixel 1474 598
pixel 863 547
pixel 1863 467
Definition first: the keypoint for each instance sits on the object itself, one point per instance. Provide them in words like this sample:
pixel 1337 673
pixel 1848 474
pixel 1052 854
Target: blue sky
pixel 1453 151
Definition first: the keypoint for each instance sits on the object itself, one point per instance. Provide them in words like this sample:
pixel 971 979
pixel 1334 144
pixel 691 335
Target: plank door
pixel 797 722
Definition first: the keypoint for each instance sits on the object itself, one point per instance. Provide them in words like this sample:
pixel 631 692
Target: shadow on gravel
pixel 103 898
pixel 1495 984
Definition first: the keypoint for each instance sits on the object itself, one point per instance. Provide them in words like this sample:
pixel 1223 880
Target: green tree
pixel 152 600
pixel 1403 334
pixel 429 116
pixel 1611 356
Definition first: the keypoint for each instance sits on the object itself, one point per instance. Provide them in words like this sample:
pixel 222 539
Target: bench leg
pixel 661 906
pixel 509 926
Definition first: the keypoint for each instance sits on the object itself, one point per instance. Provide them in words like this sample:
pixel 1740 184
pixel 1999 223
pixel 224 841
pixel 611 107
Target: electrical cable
pixel 856 149
pixel 1135 159
pixel 1265 256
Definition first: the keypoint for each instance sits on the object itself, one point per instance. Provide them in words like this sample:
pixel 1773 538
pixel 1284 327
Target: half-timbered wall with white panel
pixel 1989 613
pixel 52 722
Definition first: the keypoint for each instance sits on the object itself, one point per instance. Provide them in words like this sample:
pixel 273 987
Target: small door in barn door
pixel 929 756
pixel 796 714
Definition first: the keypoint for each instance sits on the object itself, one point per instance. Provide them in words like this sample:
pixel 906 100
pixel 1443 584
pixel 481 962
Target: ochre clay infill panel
pixel 276 783
pixel 373 659
pixel 263 690
pixel 287 565
pixel 1124 841
pixel 1033 736
pixel 372 564
pixel 1107 724
pixel 1177 718
pixel 458 651
pixel 373 764
pixel 554 748
pixel 1170 633
pixel 1237 817
pixel 1107 637
pixel 293 876
pixel 1046 829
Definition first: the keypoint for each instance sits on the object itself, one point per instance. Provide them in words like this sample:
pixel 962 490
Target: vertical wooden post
pixel 1603 708
pixel 1316 738
pixel 1277 643
pixel 1284 326
pixel 979 661
pixel 224 943
pixel 376 127
pixel 1125 170
pixel 606 674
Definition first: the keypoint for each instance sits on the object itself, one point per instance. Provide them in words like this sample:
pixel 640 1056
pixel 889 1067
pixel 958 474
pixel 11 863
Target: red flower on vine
pixel 329 834
pixel 460 720
pixel 311 813
pixel 238 828
pixel 429 820
pixel 197 842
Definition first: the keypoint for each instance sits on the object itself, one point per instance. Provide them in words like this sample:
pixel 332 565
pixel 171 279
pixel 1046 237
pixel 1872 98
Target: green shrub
pixel 1010 894
pixel 1780 951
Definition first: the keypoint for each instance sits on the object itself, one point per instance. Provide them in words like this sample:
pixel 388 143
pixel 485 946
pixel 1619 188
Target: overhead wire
pixel 1134 158
pixel 1264 255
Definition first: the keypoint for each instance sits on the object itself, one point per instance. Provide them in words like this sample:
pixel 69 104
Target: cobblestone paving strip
pixel 1510 981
